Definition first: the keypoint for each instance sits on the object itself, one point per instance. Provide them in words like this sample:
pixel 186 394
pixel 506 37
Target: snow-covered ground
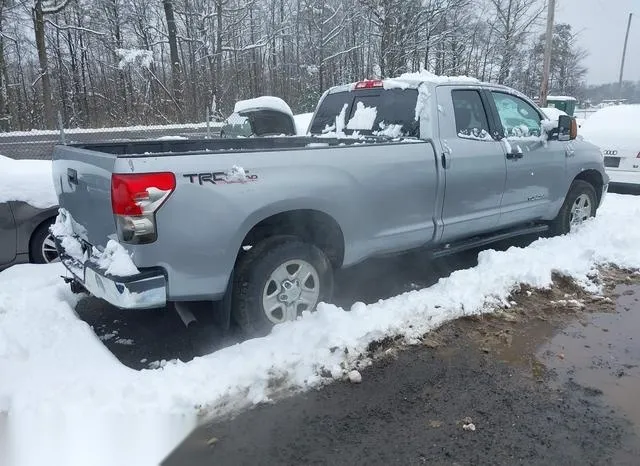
pixel 27 180
pixel 69 401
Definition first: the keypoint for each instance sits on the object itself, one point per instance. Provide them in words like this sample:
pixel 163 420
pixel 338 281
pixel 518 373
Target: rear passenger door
pixel 474 163
pixel 535 166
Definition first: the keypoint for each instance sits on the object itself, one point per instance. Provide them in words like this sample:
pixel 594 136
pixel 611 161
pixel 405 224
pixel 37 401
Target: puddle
pixel 602 353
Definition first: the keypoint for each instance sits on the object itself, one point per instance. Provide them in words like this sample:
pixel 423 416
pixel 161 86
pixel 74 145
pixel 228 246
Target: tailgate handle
pixel 72 176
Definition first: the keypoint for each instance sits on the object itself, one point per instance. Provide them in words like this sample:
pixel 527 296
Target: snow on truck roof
pixel 264 102
pixel 406 81
pixel 410 81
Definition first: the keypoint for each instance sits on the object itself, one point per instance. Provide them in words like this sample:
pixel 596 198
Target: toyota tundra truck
pixel 257 226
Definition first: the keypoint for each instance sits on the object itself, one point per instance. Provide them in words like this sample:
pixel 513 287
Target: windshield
pixel 384 112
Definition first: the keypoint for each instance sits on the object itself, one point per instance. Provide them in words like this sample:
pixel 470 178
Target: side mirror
pixel 567 128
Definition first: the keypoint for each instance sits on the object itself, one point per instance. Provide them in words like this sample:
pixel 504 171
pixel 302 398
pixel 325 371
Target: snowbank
pixel 62 387
pixel 27 180
pixel 265 101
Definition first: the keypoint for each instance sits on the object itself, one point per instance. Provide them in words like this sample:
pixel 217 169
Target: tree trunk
pixel 45 79
pixel 173 54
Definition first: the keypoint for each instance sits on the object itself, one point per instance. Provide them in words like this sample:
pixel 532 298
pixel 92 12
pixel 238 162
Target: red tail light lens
pixel 134 200
pixel 137 194
pixel 369 84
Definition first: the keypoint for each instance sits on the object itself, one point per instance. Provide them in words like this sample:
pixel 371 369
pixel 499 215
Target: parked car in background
pixel 615 130
pixel 421 161
pixel 262 116
pixel 28 207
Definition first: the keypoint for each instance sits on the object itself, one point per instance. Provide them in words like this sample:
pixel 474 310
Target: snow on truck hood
pixel 615 126
pixel 29 181
pixel 263 102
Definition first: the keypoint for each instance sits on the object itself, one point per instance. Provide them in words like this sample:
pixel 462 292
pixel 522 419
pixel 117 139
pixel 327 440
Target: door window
pixel 517 116
pixel 470 115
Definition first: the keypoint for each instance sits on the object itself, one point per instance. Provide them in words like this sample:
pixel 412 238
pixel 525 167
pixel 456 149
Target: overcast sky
pixel 602 24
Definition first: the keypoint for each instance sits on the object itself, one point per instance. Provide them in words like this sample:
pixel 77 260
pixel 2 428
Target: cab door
pixel 535 166
pixel 475 164
pixel 7 234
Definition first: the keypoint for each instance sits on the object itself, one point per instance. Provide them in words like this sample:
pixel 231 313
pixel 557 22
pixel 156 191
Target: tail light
pixel 369 84
pixel 135 198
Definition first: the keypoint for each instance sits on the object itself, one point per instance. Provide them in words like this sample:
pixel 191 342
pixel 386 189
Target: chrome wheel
pixel 293 287
pixel 49 251
pixel 580 210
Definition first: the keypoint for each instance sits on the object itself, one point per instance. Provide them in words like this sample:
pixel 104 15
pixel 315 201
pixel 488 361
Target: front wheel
pixel 277 280
pixel 579 205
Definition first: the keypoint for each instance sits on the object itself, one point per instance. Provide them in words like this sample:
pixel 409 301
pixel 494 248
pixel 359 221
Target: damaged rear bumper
pixel 144 290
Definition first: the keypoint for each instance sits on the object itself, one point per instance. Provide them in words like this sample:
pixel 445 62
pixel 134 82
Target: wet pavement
pixel 554 381
pixel 602 352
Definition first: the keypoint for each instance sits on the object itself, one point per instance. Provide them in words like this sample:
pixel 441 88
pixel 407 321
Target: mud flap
pixel 223 307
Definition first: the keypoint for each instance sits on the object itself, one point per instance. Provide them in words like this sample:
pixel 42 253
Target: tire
pixel 41 247
pixel 578 192
pixel 270 270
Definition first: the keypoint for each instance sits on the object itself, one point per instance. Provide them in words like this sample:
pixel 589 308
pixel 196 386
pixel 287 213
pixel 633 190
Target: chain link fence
pixel 38 144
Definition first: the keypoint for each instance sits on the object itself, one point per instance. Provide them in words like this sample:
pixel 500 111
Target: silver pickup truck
pixel 256 226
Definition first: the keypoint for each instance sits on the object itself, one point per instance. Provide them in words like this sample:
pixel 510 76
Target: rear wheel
pixel 579 205
pixel 42 248
pixel 277 280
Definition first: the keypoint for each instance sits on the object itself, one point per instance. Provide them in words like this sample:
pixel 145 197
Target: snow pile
pixel 363 118
pixel 61 386
pixel 413 80
pixel 114 260
pixel 140 57
pixel 390 131
pixel 475 133
pixel 303 121
pixel 236 175
pixel 263 102
pixel 29 181
pixel 615 125
pixel 171 138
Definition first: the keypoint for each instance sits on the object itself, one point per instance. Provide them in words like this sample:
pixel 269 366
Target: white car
pixel 616 130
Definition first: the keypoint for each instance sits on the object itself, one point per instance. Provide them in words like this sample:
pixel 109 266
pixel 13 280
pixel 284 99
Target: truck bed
pixel 174 147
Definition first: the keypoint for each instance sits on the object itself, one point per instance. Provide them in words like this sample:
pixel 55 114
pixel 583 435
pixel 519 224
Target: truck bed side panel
pixel 382 196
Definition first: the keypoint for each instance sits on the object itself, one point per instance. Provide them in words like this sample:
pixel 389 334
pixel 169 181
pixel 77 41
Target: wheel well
pixel 594 178
pixel 311 226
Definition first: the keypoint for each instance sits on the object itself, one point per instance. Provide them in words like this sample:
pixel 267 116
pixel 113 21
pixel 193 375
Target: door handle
pixel 72 176
pixel 515 155
pixel 443 158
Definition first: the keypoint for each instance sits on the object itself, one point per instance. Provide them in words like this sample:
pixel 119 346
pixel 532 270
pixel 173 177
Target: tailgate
pixel 82 179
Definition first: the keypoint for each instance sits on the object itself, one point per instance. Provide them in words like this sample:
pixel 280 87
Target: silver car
pixel 257 119
pixel 24 234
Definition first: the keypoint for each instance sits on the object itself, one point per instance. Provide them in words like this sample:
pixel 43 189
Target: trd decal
pixel 220 178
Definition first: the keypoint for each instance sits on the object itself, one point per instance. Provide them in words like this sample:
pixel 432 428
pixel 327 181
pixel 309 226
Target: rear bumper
pixel 145 290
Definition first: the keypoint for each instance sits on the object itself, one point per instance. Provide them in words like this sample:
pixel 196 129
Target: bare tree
pixel 514 19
